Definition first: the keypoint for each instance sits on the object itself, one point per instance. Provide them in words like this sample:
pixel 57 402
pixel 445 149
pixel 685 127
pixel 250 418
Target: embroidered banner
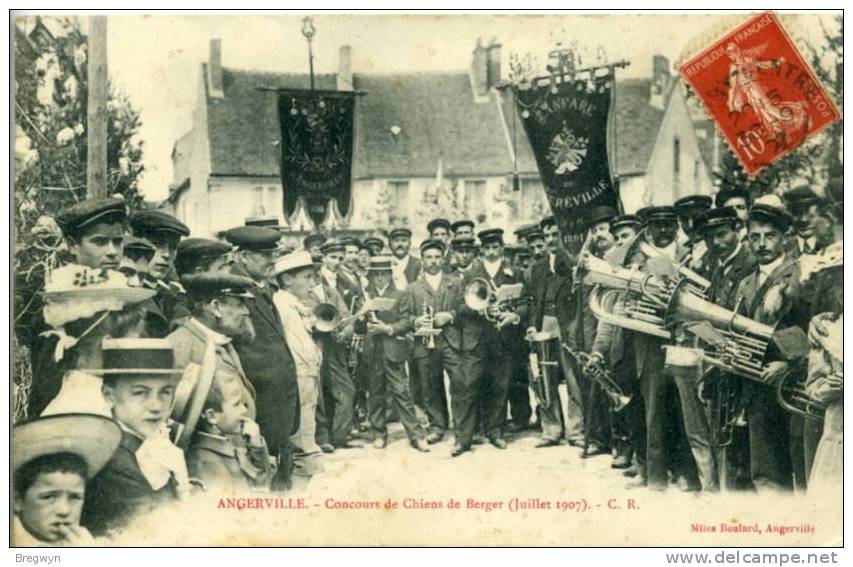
pixel 316 149
pixel 566 125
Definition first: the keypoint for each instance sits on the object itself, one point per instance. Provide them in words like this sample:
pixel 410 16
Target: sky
pixel 156 59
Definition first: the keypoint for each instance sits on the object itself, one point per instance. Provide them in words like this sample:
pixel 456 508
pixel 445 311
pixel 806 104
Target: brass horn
pixel 327 318
pixel 792 396
pixel 480 294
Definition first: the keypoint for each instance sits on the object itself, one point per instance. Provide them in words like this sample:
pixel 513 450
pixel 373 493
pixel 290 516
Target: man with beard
pixel 489 347
pixel 267 359
pixel 688 209
pixel 437 293
pixel 219 314
pixel 165 232
pixel 804 204
pixel 407 268
pixel 336 411
pixel 597 425
pixel 771 295
pixel 94 234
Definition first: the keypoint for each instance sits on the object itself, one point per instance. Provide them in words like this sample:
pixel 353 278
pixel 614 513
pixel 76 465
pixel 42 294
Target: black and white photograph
pixel 426 279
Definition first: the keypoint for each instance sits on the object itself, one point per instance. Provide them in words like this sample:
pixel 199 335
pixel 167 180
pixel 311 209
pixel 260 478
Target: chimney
pixel 494 63
pixel 345 68
pixel 479 71
pixel 215 86
pixel 660 82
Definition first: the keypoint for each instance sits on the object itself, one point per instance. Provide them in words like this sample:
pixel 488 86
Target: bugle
pixel 602 377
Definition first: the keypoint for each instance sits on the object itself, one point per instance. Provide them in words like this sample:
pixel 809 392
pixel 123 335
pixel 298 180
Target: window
pixel 258 208
pixel 475 197
pixel 398 191
pixel 676 156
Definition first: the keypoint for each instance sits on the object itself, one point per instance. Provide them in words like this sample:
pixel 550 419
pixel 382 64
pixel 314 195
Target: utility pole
pixel 96 162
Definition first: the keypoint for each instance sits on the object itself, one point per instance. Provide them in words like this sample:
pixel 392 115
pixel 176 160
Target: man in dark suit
pixel 438 293
pixel 490 347
pixel 771 295
pixel 407 268
pixel 387 349
pixel 267 360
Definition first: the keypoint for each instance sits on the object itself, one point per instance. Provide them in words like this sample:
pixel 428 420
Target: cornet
pixel 602 377
pixel 428 330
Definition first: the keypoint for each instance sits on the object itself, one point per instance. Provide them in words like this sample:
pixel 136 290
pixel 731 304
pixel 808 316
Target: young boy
pixel 52 459
pixel 227 452
pixel 146 469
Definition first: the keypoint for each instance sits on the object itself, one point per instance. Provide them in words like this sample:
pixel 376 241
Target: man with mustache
pixel 463 228
pixel 688 209
pixel 772 295
pixel 267 360
pixel 407 268
pixel 804 204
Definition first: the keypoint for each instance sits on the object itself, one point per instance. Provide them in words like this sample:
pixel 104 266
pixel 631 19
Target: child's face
pixel 234 410
pixel 51 504
pixel 143 403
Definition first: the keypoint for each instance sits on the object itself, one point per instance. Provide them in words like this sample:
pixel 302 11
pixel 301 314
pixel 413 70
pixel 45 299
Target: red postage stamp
pixel 760 91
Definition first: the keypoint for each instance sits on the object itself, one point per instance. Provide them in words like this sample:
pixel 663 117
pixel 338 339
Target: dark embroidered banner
pixel 316 149
pixel 566 125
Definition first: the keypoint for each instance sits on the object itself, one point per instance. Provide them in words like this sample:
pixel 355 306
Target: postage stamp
pixel 760 91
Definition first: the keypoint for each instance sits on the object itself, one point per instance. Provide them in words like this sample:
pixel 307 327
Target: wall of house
pixel 664 181
pixel 632 191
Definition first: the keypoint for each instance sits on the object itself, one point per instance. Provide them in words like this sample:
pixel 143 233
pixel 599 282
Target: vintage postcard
pixel 427 279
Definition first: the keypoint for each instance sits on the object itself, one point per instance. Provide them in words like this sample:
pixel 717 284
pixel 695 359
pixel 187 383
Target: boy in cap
pixel 53 457
pixel 296 277
pixel 463 250
pixel 267 359
pixel 386 350
pixel 624 228
pixel 94 231
pixel 312 244
pixel 147 469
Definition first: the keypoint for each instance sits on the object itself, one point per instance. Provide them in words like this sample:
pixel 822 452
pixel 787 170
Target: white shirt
pixel 764 270
pixel 398 272
pixel 552 263
pixel 668 251
pixel 296 319
pixel 492 267
pixel 330 277
pixel 806 245
pixel 321 293
pixel 434 281
pixel 380 292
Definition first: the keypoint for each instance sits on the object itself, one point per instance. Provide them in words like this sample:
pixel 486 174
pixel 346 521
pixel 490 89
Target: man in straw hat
pixel 82 306
pixel 52 458
pixel 296 276
pixel 147 469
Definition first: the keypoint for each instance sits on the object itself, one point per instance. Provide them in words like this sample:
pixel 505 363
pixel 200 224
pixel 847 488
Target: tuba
pixel 542 362
pixel 602 377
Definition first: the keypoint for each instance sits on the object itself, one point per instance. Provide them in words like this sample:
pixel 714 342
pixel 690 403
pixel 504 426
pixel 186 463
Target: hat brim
pixel 133 371
pixel 127 295
pixel 94 438
pixel 190 396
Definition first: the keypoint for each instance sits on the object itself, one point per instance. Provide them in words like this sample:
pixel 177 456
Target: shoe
pixel 349 445
pixel 576 443
pixel 685 485
pixel 639 482
pixel 631 471
pixel 421 445
pixel 517 427
pixel 620 462
pixel 434 437
pixel 547 443
pixel 479 439
pixel 593 450
pixel 497 442
pixel 458 449
pixel 327 447
pixel 379 443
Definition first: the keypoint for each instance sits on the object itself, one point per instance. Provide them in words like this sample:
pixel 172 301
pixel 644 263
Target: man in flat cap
pixel 439 229
pixel 463 251
pixel 312 244
pixel 407 268
pixel 489 351
pixel 94 231
pixel 218 315
pixel 688 209
pixel 374 245
pixel 772 295
pixel 267 359
pixel 737 198
pixel 434 297
pixel 804 205
pixel 138 253
pixel 624 228
pixel 463 228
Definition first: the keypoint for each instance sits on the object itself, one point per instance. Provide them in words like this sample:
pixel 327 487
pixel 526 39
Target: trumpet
pixel 428 330
pixel 481 295
pixel 602 377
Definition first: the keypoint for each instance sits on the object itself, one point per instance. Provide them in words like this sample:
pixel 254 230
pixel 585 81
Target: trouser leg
pixel 519 396
pixel 322 417
pixel 431 374
pixel 305 438
pixel 797 449
pixel 376 384
pixel 696 427
pixel 496 386
pixel 655 386
pixel 397 383
pixel 551 414
pixel 770 460
pixel 812 432
pixel 574 418
pixel 464 395
pixel 343 393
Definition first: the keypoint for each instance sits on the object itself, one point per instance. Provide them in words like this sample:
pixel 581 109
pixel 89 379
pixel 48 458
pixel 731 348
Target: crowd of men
pixel 164 364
